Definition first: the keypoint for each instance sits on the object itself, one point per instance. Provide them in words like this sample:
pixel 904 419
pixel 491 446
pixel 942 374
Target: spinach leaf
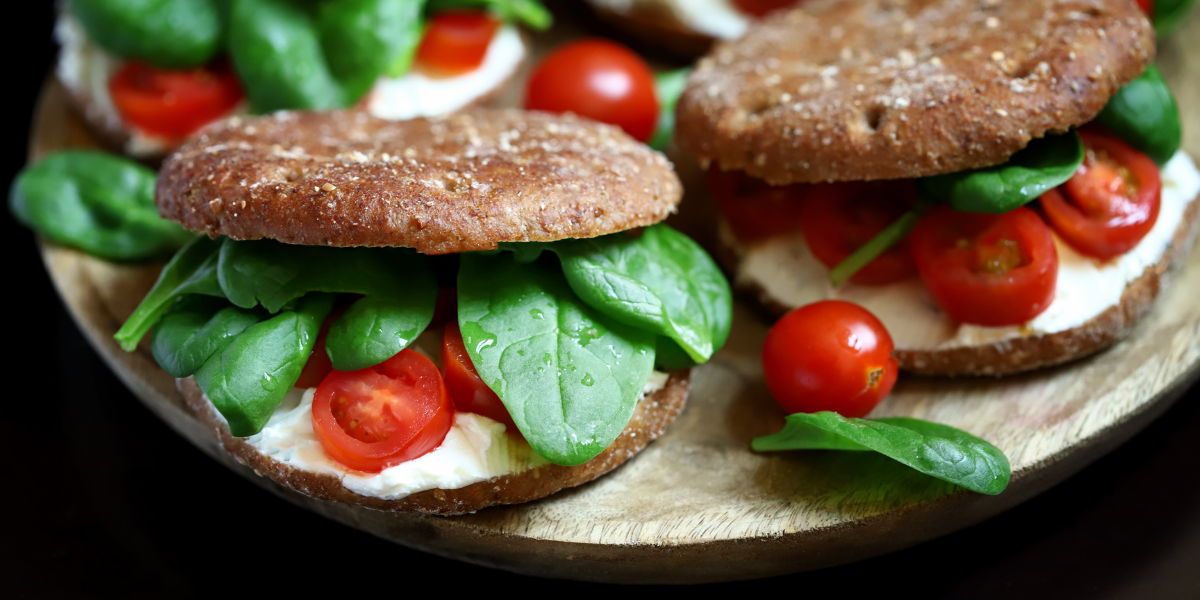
pixel 164 33
pixel 1144 114
pixel 668 87
pixel 97 202
pixel 1042 165
pixel 195 328
pixel 569 376
pixel 363 38
pixel 248 379
pixel 193 270
pixel 890 236
pixel 529 12
pixel 937 450
pixel 400 288
pixel 1169 15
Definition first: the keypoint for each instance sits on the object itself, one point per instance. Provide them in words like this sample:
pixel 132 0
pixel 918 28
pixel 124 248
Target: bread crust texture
pixel 650 419
pixel 889 89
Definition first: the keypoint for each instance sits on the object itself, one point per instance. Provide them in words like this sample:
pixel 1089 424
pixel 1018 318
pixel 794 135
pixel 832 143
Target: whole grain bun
pixel 650 419
pixel 888 89
pixel 461 182
pixel 1019 354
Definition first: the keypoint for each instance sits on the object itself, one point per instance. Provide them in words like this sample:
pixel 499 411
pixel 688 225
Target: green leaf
pixel 277 51
pixel 668 87
pixel 195 328
pixel 890 236
pixel 528 12
pixel 164 33
pixel 360 39
pixel 937 450
pixel 193 270
pixel 1042 165
pixel 1144 114
pixel 248 379
pixel 376 328
pixel 1169 15
pixel 569 376
pixel 97 202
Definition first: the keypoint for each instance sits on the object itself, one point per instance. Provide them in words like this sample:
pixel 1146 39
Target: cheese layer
pixel 715 18
pixel 1086 287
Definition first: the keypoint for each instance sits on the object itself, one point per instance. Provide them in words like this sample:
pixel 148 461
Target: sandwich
pixel 146 76
pixel 434 315
pixel 685 27
pixel 999 182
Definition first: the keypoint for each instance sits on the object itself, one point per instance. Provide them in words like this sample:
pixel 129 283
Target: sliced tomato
pixel 985 269
pixel 175 103
pixel 839 218
pixel 754 209
pixel 1110 203
pixel 456 41
pixel 759 8
pixel 469 392
pixel 381 416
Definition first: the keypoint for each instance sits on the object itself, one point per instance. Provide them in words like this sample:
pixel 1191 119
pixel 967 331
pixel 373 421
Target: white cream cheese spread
pixel 715 18
pixel 418 94
pixel 1086 286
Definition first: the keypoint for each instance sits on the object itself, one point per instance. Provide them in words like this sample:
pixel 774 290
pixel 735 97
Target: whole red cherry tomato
pixel 600 80
pixel 839 218
pixel 986 269
pixel 829 355
pixel 173 103
pixel 456 41
pixel 759 8
pixel 1110 203
pixel 755 210
pixel 469 392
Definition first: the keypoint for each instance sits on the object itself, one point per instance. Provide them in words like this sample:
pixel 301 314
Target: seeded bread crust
pixel 888 89
pixel 654 24
pixel 650 420
pixel 1019 354
pixel 460 182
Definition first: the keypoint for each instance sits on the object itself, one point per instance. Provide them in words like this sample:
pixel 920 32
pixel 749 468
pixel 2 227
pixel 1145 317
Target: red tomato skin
pixel 467 389
pixel 1147 7
pixel 600 80
pixel 758 8
pixel 445 310
pixel 829 355
pixel 946 246
pixel 409 384
pixel 1095 219
pixel 839 218
pixel 753 209
pixel 456 41
pixel 319 365
pixel 174 104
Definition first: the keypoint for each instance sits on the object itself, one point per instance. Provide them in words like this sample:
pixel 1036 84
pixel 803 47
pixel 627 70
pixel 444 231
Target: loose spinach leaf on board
pixel 569 376
pixel 668 87
pixel 193 270
pixel 195 328
pixel 528 12
pixel 164 33
pixel 1144 114
pixel 1169 15
pixel 400 288
pixel 97 202
pixel 937 450
pixel 1042 165
pixel 248 379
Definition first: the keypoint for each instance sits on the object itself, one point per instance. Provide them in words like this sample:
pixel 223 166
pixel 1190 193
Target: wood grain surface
pixel 697 505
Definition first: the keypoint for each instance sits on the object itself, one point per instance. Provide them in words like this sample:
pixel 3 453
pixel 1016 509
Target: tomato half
pixel 1147 7
pixel 174 103
pixel 456 41
pixel 600 80
pixel 381 416
pixel 829 355
pixel 839 218
pixel 986 269
pixel 467 389
pixel 759 8
pixel 1110 203
pixel 755 210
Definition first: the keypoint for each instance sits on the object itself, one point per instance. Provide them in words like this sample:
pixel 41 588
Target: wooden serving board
pixel 697 505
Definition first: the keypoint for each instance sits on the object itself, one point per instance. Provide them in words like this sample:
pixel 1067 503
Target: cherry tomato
pixel 456 41
pixel 381 416
pixel 1110 203
pixel 469 392
pixel 1147 7
pixel 839 218
pixel 176 103
pixel 986 269
pixel 445 310
pixel 829 355
pixel 759 8
pixel 600 80
pixel 754 209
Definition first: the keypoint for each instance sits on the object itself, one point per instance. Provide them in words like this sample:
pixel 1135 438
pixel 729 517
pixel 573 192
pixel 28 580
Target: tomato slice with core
pixel 985 269
pixel 754 209
pixel 759 8
pixel 174 103
pixel 1110 203
pixel 381 416
pixel 839 218
pixel 467 389
pixel 456 41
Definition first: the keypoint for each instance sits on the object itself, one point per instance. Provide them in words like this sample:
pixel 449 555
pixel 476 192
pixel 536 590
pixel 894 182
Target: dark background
pixel 100 499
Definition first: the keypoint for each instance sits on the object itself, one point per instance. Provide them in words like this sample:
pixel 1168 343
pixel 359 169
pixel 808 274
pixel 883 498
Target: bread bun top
pixel 886 89
pixel 465 181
